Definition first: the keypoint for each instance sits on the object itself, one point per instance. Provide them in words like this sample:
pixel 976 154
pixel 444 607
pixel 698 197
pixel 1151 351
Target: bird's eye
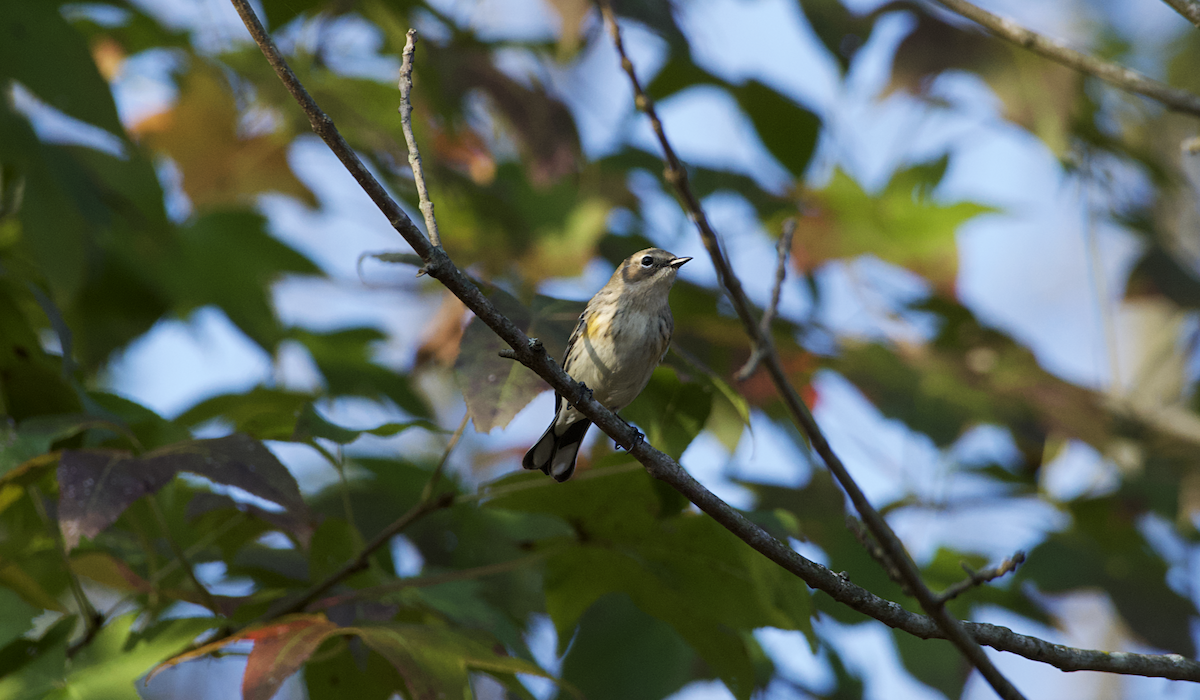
pixel 647 261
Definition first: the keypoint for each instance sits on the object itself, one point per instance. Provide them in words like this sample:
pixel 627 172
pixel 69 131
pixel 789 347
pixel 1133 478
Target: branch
pixel 1188 8
pixel 887 539
pixel 414 155
pixel 426 505
pixel 531 354
pixel 978 578
pixel 782 246
pixel 1111 73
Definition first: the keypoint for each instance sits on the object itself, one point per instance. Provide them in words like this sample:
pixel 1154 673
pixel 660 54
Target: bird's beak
pixel 678 262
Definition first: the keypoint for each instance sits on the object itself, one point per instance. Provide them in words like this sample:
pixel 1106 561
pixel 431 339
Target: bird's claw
pixel 638 438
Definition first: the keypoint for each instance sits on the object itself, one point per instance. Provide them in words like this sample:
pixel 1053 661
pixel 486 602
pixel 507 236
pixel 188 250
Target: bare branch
pixel 978 578
pixel 532 354
pixel 1053 49
pixel 782 247
pixel 887 539
pixel 1188 8
pixel 414 154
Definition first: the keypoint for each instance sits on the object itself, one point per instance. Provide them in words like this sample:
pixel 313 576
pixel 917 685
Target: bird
pixel 621 336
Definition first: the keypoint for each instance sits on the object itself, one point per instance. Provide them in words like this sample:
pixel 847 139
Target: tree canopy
pixel 351 520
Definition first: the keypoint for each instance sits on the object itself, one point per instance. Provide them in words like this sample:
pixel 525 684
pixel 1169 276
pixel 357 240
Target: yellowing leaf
pixel 219 166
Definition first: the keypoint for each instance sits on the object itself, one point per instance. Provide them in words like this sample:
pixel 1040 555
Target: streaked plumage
pixel 621 337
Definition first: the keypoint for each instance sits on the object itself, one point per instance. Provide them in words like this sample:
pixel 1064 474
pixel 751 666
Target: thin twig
pixel 1188 8
pixel 426 581
pixel 426 505
pixel 1053 49
pixel 427 492
pixel 361 560
pixel 181 556
pixel 533 355
pixel 978 578
pixel 887 539
pixel 414 154
pixel 782 247
pixel 91 618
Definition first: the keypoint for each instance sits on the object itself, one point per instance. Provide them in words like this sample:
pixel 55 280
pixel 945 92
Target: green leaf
pixel 685 570
pixel 17 617
pixel 313 425
pixel 670 411
pixel 111 664
pixel 1103 549
pixel 31 669
pixel 263 413
pixel 228 259
pixel 342 675
pixel 787 130
pixel 435 661
pixel 344 358
pixel 901 225
pixel 606 661
pixel 334 543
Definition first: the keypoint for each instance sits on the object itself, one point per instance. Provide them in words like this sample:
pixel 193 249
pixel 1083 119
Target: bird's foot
pixel 637 439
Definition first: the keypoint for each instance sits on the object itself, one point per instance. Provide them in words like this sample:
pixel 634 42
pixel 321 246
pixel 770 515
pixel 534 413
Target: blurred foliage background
pixel 211 402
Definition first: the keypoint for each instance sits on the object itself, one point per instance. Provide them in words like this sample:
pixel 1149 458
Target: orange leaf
pixel 219 166
pixel 281 641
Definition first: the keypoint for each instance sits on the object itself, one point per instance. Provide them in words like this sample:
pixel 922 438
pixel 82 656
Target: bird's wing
pixel 580 329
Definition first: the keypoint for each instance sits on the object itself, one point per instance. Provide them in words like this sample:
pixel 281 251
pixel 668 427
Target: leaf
pixel 788 130
pixel 900 225
pixel 30 669
pixel 96 486
pixel 279 653
pixel 434 661
pixel 344 360
pixel 18 615
pixel 606 661
pixel 311 425
pixel 280 649
pixel 228 259
pixel 220 166
pixel 1039 94
pixel 342 676
pixel 263 413
pixel 31 381
pixel 671 412
pixel 34 437
pixel 1103 549
pixel 16 579
pixel 495 388
pixel 685 570
pixel 110 665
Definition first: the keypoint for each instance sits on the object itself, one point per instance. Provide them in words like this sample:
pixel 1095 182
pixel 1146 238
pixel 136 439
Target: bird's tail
pixel 555 452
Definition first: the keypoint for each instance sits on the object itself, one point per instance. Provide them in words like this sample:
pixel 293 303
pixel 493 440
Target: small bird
pixel 621 337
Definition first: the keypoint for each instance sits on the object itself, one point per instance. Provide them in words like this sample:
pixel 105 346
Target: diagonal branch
pixel 663 467
pixel 1117 75
pixel 887 539
pixel 1188 8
